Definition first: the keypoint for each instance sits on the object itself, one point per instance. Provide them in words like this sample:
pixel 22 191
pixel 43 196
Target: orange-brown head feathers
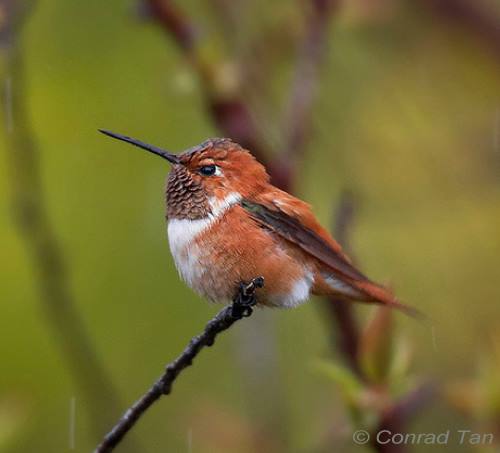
pixel 220 164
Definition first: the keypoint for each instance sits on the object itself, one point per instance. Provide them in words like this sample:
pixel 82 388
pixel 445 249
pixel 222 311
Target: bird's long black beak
pixel 172 158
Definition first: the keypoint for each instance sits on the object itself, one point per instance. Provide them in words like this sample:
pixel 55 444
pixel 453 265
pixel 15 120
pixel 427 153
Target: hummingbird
pixel 228 224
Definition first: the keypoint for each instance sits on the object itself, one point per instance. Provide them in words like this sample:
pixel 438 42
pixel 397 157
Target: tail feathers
pixel 364 290
pixel 380 295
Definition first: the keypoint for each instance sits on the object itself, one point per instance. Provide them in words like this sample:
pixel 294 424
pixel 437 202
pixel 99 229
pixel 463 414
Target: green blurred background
pixel 407 117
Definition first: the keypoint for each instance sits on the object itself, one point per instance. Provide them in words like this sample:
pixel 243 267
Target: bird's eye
pixel 208 170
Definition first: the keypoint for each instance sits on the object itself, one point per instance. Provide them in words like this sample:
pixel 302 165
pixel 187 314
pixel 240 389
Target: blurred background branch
pixel 480 21
pixel 28 202
pixel 344 331
pixel 227 108
pixel 311 49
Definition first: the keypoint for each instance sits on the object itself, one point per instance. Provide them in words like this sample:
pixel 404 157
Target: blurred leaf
pixel 402 355
pixel 479 397
pixel 349 384
pixel 376 345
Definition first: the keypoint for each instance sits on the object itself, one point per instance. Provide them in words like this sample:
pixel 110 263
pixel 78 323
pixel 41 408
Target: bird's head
pixel 207 177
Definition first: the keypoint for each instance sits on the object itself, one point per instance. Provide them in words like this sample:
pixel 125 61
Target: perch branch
pixel 240 308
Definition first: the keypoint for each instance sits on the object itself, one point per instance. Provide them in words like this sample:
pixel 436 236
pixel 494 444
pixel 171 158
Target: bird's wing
pixel 293 220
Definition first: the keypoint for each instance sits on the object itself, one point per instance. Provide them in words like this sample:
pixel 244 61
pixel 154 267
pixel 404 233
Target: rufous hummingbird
pixel 228 224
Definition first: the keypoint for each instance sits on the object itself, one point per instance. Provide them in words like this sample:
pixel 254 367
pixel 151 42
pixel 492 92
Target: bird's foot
pixel 245 299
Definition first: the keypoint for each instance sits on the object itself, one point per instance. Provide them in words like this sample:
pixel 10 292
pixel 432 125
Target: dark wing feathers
pixel 291 229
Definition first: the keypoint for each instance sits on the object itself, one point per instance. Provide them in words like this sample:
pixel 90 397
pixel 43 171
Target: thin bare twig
pixel 30 214
pixel 240 308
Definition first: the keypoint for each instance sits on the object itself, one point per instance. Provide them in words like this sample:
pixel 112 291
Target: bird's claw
pixel 245 298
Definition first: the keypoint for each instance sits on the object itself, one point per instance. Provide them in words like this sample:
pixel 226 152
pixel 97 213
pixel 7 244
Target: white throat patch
pixel 183 231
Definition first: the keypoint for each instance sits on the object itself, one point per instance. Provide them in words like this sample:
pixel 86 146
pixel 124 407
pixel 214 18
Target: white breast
pixel 186 254
pixel 182 234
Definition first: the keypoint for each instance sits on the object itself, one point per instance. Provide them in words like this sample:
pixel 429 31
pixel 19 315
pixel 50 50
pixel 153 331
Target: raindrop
pixel 72 420
pixel 434 342
pixel 190 440
pixel 9 125
pixel 496 131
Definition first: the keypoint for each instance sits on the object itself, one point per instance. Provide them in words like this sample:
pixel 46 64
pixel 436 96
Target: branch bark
pixel 240 308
